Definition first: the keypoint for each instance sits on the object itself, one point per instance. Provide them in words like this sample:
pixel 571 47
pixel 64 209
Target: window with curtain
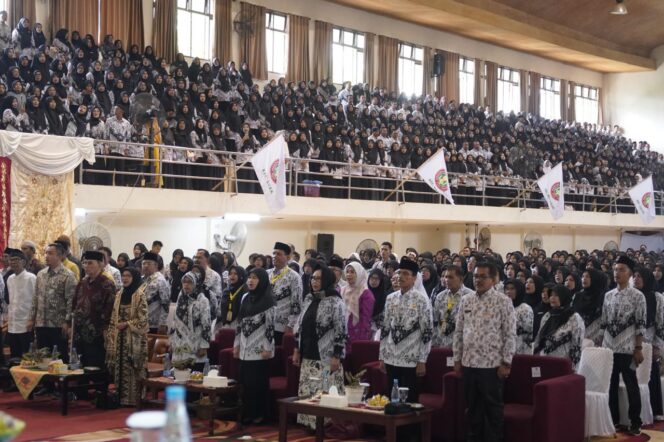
pixel 410 69
pixel 586 103
pixel 276 42
pixel 195 28
pixel 347 56
pixel 466 80
pixel 509 90
pixel 3 6
pixel 549 98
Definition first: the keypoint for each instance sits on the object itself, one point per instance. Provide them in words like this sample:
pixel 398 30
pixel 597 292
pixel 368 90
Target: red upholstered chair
pixel 284 377
pixel 223 339
pixel 431 387
pixel 544 402
pixel 362 352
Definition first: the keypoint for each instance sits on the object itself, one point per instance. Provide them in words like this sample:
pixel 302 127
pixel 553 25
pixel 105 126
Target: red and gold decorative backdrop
pixel 5 201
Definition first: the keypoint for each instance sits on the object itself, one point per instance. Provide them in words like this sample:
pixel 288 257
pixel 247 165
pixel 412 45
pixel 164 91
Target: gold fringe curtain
pixel 297 68
pixel 491 86
pixel 164 29
pixel 427 70
pixel 534 93
pixel 479 96
pixel 369 56
pixel 448 83
pixel 388 54
pixel 18 9
pixel 223 31
pixel 253 46
pixel 322 67
pixel 124 20
pixel 74 15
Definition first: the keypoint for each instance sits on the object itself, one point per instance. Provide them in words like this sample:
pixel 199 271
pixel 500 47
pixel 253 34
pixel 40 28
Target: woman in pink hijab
pixel 359 304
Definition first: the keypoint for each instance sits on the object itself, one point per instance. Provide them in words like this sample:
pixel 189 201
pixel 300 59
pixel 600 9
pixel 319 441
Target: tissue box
pixel 336 401
pixel 215 381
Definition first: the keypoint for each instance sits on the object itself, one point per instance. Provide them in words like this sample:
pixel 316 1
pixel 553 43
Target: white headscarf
pixel 351 293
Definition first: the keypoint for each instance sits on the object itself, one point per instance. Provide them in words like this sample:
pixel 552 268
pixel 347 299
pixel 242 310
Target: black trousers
pixel 255 380
pixel 50 336
pixel 406 377
pixel 278 338
pixel 19 343
pixel 622 365
pixel 655 386
pixel 483 391
pixel 92 354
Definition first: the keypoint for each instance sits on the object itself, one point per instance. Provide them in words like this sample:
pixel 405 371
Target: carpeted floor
pixel 87 424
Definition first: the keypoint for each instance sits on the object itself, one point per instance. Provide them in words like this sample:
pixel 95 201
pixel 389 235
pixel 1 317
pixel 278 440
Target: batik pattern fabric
pixel 445 308
pixel 214 285
pixel 331 327
pixel 255 334
pixel 594 331
pixel 654 333
pixel 485 335
pixel 54 293
pixel 312 375
pixel 524 329
pixel 190 330
pixel 287 290
pixel 623 319
pixel 158 294
pixel 120 131
pixel 566 341
pixel 405 339
pixel 93 306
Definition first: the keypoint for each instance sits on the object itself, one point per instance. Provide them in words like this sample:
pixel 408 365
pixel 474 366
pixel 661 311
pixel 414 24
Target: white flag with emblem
pixel 551 185
pixel 270 166
pixel 434 173
pixel 643 197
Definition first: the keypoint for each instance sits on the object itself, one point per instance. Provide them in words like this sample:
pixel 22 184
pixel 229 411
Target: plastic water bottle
pixel 206 367
pixel 167 365
pixel 326 382
pixel 394 397
pixel 74 361
pixel 54 352
pixel 177 421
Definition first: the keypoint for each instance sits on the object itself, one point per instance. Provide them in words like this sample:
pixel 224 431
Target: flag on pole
pixel 643 197
pixel 551 185
pixel 270 166
pixel 434 173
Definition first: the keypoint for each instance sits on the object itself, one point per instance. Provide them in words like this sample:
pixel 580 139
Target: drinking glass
pixel 403 394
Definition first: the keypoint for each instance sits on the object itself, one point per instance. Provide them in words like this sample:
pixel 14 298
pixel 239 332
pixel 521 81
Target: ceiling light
pixel 79 212
pixel 619 8
pixel 242 217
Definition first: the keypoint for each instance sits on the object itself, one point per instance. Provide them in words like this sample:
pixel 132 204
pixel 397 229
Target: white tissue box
pixel 215 381
pixel 336 401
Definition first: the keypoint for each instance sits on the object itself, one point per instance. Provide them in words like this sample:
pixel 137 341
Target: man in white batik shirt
pixel 287 291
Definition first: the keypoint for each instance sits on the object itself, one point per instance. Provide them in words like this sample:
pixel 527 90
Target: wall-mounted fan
pixel 484 239
pixel 233 241
pixel 367 244
pixel 243 24
pixel 92 236
pixel 531 241
pixel 611 246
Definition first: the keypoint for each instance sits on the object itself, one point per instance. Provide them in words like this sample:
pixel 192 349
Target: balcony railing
pixel 232 172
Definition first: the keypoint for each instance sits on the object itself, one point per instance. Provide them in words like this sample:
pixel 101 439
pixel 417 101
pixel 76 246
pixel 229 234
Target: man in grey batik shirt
pixel 287 291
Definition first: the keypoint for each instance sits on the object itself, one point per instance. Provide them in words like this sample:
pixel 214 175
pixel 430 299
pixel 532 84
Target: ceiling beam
pixel 495 23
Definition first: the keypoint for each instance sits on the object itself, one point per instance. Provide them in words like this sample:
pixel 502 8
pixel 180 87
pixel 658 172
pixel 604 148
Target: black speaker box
pixel 438 65
pixel 325 244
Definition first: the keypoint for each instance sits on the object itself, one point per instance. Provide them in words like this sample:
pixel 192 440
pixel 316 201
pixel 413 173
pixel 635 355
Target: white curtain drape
pixel 46 154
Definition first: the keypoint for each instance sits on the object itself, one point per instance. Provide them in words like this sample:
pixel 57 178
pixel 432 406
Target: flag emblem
pixel 442 180
pixel 645 200
pixel 274 170
pixel 555 191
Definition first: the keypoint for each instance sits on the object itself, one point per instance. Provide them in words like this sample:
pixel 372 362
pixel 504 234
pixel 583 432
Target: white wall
pixel 635 101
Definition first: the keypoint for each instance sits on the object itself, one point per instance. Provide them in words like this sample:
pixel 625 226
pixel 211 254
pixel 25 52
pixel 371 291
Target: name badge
pixel 450 361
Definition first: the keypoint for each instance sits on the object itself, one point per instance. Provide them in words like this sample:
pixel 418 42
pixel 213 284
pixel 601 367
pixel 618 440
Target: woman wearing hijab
pixel 588 303
pixel 430 277
pixel 562 330
pixel 534 287
pixel 658 272
pixel 123 261
pixel 516 291
pixel 359 302
pixel 573 282
pixel 254 344
pixel 321 338
pixel 231 297
pixel 190 330
pixel 184 266
pixel 644 280
pixel 127 339
pixel 22 37
pixel 379 285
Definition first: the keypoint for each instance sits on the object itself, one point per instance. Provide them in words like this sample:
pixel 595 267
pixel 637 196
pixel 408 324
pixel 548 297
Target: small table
pixel 232 393
pixel 360 415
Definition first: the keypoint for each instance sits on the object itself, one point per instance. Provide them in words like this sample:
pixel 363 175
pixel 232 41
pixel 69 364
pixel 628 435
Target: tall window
pixel 466 80
pixel 549 98
pixel 195 24
pixel 586 104
pixel 277 42
pixel 347 56
pixel 410 69
pixel 509 92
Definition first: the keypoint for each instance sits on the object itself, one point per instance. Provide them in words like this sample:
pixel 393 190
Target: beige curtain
pixel 479 96
pixel 491 98
pixel 253 46
pixel 452 76
pixel 322 67
pixel 369 57
pixel 124 20
pixel 388 54
pixel 223 31
pixel 571 109
pixel 75 15
pixel 523 90
pixel 427 70
pixel 600 106
pixel 164 29
pixel 534 93
pixel 564 100
pixel 297 68
pixel 18 9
